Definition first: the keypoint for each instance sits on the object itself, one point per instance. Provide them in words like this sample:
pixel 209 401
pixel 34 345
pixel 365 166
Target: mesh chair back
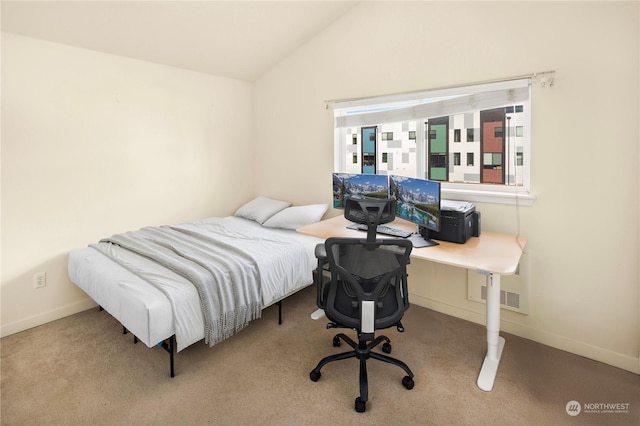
pixel 363 271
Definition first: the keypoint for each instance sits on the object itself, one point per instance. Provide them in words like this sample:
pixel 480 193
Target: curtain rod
pixel 533 76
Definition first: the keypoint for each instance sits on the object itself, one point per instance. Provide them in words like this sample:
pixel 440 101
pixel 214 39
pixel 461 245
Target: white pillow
pixel 261 208
pixel 297 216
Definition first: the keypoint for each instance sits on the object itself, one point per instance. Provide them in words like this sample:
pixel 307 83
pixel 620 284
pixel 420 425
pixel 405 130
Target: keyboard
pixel 383 229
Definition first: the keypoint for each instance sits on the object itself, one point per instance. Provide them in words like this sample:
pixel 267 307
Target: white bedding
pixel 145 309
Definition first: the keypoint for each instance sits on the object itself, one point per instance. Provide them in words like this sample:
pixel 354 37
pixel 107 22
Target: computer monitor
pixel 358 186
pixel 418 201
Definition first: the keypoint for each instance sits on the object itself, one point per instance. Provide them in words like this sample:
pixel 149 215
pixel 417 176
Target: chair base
pixel 363 350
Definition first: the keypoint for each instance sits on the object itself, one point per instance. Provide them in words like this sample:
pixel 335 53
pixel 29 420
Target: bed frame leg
pixel 124 331
pixel 279 312
pixel 173 339
pixel 169 348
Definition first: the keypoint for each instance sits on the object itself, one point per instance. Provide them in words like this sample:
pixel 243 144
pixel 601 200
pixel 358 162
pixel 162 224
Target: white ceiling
pixel 236 39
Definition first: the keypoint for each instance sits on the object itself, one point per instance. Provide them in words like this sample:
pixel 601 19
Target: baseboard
pixel 564 343
pixel 45 317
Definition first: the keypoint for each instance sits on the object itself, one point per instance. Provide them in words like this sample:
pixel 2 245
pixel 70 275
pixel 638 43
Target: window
pixel 368 160
pixel 470 158
pixel 492 160
pixel 438 160
pixel 384 157
pixel 470 135
pixel 489 122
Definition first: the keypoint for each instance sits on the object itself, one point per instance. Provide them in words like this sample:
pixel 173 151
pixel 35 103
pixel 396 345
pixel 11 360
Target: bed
pixel 173 286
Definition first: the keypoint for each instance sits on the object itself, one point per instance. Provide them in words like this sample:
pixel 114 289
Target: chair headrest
pixel 370 211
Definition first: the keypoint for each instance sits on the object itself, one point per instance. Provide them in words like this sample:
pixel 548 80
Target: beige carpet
pixel 83 370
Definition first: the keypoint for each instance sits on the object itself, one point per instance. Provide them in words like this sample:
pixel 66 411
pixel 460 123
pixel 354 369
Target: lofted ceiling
pixel 235 39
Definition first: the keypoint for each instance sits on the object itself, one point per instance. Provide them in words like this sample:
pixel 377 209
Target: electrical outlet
pixel 39 280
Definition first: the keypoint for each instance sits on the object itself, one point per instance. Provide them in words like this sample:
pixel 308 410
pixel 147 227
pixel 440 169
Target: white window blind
pixel 425 104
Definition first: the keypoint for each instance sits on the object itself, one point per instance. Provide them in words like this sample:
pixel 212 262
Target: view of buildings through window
pixel 476 135
pixel 474 147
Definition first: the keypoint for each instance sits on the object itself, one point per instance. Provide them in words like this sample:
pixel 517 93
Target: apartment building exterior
pixel 484 146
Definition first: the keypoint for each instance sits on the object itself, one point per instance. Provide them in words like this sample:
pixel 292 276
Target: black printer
pixel 459 221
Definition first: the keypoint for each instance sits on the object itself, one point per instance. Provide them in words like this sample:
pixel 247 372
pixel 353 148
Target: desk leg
pixel 495 343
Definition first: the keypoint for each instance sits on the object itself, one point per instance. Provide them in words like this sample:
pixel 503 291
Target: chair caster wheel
pixel 408 382
pixel 386 347
pixel 336 342
pixel 315 375
pixel 361 406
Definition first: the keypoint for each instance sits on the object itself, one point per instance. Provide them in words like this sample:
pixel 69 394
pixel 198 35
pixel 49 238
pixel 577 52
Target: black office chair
pixel 367 290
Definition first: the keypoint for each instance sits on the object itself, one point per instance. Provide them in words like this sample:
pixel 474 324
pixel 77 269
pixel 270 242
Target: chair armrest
pixel 321 251
pixel 321 255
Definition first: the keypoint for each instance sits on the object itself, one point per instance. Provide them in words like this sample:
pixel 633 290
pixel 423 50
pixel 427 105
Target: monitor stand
pixel 421 239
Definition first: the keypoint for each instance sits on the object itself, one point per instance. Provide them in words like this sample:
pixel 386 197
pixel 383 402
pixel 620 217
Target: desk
pixel 492 254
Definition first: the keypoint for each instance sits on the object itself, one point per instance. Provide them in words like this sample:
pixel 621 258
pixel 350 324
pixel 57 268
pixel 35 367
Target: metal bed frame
pixel 169 344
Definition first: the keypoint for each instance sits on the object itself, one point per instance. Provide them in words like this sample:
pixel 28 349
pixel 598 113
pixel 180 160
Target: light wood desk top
pixel 491 252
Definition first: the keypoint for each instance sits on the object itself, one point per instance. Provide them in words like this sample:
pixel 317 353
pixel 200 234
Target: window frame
pixel 474 192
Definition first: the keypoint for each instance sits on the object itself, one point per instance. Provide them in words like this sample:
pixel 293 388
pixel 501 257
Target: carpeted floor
pixel 83 370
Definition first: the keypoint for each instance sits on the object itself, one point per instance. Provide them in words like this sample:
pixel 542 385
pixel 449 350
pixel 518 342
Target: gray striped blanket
pixel 227 277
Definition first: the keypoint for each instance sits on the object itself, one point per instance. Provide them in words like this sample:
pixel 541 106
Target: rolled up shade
pixel 428 104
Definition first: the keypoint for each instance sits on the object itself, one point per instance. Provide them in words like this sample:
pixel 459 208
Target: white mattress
pixel 144 308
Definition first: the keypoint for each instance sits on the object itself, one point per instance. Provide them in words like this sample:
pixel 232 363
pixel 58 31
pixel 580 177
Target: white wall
pixel 583 230
pixel 95 144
